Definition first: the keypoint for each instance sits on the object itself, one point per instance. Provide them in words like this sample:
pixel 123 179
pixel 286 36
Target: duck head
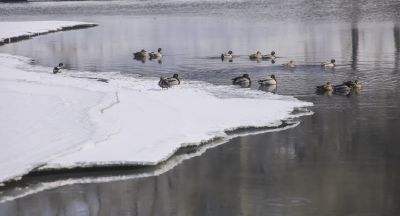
pixel 246 76
pixel 333 61
pixel 258 53
pixel 159 49
pixel 357 82
pixel 273 76
pixel 60 65
pixel 273 53
pixel 175 76
pixel 142 51
pixel 230 52
pixel 329 84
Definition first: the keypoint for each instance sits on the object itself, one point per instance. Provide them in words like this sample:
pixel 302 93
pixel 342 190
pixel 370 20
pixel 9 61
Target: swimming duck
pixel 290 64
pixel 269 56
pixel 328 64
pixel 243 80
pixel 269 81
pixel 328 87
pixel 140 55
pixel 343 88
pixel 354 85
pixel 174 80
pixel 227 55
pixel 163 83
pixel 256 55
pixel 155 55
pixel 58 68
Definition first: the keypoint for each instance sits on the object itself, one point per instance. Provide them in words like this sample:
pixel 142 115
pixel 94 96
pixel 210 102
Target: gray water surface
pixel 343 160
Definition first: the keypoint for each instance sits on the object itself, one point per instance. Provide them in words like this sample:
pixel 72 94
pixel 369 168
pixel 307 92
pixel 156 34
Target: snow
pixel 12 30
pixel 71 120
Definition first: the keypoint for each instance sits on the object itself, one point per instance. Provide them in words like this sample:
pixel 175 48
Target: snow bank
pixel 61 121
pixel 13 31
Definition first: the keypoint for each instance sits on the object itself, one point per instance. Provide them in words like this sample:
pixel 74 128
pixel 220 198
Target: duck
pixel 155 55
pixel 163 83
pixel 330 64
pixel 174 80
pixel 269 56
pixel 290 64
pixel 328 87
pixel 227 55
pixel 268 88
pixel 58 68
pixel 353 85
pixel 256 55
pixel 269 81
pixel 342 88
pixel 141 54
pixel 243 80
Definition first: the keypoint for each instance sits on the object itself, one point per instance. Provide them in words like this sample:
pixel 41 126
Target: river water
pixel 343 160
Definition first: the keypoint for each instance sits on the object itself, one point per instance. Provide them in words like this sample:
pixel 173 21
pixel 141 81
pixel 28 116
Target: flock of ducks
pixel 244 80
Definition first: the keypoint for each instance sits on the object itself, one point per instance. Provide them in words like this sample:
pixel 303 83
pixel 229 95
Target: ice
pixel 13 30
pixel 68 120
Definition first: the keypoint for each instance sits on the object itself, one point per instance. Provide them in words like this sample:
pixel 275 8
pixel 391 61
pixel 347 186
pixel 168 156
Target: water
pixel 343 160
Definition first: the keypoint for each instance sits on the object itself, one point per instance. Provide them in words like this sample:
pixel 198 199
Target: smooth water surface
pixel 343 160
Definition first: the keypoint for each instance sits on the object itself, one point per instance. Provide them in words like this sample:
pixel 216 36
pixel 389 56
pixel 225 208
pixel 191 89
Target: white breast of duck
pixel 269 81
pixel 227 55
pixel 174 80
pixel 269 56
pixel 330 64
pixel 156 55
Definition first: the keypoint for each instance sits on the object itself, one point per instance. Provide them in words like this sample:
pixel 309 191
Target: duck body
pixel 256 55
pixel 163 83
pixel 328 87
pixel 140 55
pixel 268 81
pixel 243 80
pixel 58 68
pixel 156 55
pixel 269 56
pixel 290 64
pixel 343 88
pixel 227 55
pixel 353 85
pixel 174 80
pixel 330 64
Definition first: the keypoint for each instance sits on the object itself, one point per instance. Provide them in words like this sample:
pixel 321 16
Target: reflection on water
pixel 343 160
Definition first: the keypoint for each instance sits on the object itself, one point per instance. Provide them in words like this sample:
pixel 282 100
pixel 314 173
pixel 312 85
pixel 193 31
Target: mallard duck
pixel 328 87
pixel 290 64
pixel 227 55
pixel 155 55
pixel 354 85
pixel 330 64
pixel 343 88
pixel 163 83
pixel 140 55
pixel 174 80
pixel 58 68
pixel 256 55
pixel 269 56
pixel 243 80
pixel 269 81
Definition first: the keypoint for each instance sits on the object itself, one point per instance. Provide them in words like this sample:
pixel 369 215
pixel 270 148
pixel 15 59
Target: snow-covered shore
pixel 14 31
pixel 58 121
pixel 72 120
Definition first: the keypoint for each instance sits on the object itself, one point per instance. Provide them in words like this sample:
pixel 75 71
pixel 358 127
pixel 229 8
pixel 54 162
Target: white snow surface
pixel 62 121
pixel 16 29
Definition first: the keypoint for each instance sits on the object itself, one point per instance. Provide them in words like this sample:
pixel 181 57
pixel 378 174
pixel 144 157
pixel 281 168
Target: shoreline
pixel 17 38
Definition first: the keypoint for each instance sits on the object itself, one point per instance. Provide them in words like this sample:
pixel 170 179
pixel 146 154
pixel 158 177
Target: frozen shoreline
pixel 15 31
pixel 61 121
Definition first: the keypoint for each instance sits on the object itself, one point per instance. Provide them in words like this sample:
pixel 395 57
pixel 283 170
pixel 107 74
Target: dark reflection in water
pixel 343 160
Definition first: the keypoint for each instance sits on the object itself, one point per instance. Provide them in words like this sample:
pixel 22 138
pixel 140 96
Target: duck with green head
pixel 268 81
pixel 243 81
